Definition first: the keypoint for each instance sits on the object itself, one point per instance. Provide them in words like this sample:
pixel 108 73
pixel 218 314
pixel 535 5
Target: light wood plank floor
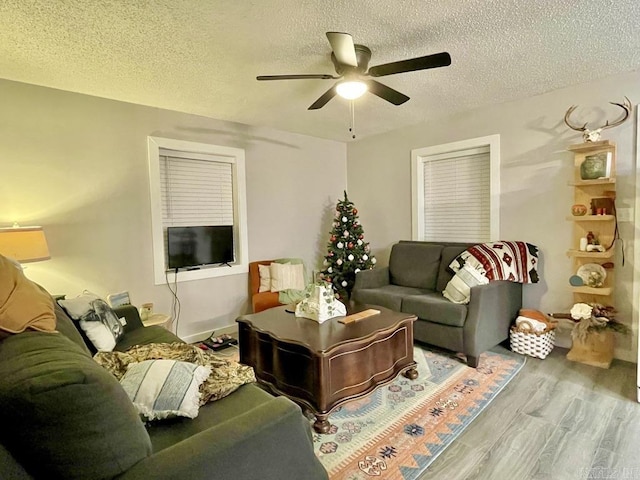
pixel 555 420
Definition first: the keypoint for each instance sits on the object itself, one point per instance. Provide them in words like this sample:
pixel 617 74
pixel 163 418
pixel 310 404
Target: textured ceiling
pixel 202 56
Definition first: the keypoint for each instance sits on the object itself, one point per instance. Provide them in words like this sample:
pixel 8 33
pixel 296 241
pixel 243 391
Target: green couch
pixel 413 282
pixel 62 416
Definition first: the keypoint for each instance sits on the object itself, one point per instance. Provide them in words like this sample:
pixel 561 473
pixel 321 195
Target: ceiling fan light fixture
pixel 351 89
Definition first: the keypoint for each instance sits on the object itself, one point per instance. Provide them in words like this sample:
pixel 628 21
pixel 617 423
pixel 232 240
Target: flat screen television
pixel 198 246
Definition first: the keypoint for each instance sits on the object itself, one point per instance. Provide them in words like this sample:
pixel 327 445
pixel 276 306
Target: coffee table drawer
pixel 362 368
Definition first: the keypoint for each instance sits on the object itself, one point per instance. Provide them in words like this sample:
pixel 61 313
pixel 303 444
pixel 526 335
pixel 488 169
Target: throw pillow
pixel 23 303
pixel 285 276
pixel 465 259
pixel 96 319
pixel 165 388
pixel 458 290
pixel 265 278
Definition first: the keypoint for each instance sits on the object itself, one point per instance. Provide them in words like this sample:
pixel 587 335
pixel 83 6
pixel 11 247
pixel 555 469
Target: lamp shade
pixel 24 244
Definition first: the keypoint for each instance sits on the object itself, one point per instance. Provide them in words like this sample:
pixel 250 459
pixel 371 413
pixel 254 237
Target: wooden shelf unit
pixel 602 291
pixel 590 183
pixel 592 218
pixel 592 257
pixel 602 226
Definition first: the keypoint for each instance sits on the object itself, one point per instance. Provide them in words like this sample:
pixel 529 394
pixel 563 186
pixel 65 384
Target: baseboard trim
pixel 199 337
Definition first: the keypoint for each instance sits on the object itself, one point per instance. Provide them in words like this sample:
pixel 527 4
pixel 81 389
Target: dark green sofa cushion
pixel 171 431
pixel 247 435
pixel 433 307
pixel 389 296
pixel 62 415
pixel 414 265
pixel 145 335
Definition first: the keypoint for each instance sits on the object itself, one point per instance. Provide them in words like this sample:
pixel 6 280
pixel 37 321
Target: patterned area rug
pixel 398 430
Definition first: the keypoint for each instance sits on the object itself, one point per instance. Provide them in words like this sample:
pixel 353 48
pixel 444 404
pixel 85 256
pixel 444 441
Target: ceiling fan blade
pixel 386 93
pixel 319 76
pixel 322 101
pixel 420 63
pixel 343 48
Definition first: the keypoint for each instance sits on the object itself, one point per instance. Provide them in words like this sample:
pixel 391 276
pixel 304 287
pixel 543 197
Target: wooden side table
pixel 158 319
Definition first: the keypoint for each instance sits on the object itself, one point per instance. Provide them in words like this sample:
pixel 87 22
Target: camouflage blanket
pixel 226 376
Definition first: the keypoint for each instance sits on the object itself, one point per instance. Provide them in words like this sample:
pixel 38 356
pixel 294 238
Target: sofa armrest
pixel 272 441
pixel 492 308
pixel 131 315
pixel 373 278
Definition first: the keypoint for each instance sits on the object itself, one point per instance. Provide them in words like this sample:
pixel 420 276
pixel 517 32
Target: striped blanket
pixel 503 260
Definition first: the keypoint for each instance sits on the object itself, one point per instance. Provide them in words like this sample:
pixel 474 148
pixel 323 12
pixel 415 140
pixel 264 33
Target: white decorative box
pixel 320 303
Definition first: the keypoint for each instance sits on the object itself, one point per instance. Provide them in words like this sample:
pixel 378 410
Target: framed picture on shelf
pixel 596 166
pixel 118 299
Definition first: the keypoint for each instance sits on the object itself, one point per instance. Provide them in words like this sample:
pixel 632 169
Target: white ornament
pixel 359 242
pixel 373 260
pixel 344 219
pixel 365 257
pixel 330 269
pixel 356 270
pixel 339 261
pixel 340 245
pixel 344 283
pixel 346 233
pixel 350 257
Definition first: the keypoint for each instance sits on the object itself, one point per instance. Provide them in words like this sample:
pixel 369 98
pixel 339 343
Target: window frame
pixel 420 155
pixel 234 156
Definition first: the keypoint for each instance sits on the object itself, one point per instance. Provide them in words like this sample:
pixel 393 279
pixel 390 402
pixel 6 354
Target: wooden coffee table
pixel 322 365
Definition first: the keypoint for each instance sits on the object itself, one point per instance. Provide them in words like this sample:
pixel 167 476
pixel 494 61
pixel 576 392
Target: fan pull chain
pixel 352 126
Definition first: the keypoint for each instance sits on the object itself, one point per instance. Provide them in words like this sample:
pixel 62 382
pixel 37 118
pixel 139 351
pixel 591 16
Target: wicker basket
pixel 526 341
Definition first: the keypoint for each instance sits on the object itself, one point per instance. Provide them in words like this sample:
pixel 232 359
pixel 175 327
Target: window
pixel 456 188
pixel 196 184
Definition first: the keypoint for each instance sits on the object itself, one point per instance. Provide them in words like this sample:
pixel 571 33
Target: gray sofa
pixel 413 282
pixel 65 417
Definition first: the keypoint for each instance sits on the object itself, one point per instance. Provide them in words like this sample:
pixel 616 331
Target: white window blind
pixel 196 184
pixel 457 194
pixel 196 190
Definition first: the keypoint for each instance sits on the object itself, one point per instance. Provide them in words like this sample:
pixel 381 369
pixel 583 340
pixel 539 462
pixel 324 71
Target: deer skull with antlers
pixel 594 135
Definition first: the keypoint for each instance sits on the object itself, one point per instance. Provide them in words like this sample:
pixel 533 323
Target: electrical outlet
pixel 624 214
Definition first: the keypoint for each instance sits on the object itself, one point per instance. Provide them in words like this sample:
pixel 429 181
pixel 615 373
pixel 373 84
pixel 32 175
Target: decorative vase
pixel 578 210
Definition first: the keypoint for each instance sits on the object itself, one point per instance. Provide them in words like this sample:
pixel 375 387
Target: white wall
pixel 78 166
pixel 535 169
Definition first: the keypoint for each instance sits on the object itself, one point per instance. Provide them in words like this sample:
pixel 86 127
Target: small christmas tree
pixel 348 252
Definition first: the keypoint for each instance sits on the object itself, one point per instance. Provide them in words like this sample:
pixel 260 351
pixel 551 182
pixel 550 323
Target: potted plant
pixel 592 334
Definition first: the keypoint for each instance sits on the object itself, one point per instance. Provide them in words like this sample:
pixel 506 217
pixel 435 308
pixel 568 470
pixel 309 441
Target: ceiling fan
pixel 351 62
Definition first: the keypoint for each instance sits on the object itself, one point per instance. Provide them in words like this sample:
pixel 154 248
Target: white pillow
pixel 265 278
pixel 96 318
pixel 165 388
pixel 537 325
pixel 458 290
pixel 285 276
